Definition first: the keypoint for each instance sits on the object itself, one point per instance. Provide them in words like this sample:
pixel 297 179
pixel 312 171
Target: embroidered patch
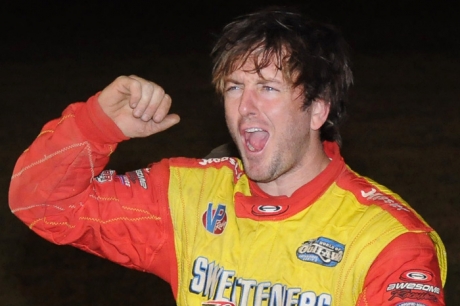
pixel 214 282
pixel 123 179
pixel 138 177
pixel 215 220
pixel 268 210
pixel 412 295
pixel 417 276
pixel 413 291
pixel 105 176
pixel 323 251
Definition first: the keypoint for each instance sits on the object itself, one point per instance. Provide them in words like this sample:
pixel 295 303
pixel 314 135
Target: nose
pixel 248 101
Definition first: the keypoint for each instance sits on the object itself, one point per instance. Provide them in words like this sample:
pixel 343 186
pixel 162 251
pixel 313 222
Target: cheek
pixel 228 104
pixel 231 110
pixel 287 115
pixel 231 121
pixel 298 124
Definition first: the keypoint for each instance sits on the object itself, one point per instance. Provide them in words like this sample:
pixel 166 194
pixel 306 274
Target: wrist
pixel 95 125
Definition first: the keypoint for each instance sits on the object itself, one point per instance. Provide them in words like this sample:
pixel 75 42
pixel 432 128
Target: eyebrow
pixel 231 80
pixel 265 81
pixel 259 81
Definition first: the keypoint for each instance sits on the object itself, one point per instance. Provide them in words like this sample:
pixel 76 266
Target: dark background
pixel 403 129
pixel 37 29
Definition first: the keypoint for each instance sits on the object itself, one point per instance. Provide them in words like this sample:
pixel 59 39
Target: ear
pixel 319 112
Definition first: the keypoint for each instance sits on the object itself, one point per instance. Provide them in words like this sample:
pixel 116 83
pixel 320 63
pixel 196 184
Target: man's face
pixel 265 118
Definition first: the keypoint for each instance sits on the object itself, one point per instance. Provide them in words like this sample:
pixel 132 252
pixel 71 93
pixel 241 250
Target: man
pixel 288 224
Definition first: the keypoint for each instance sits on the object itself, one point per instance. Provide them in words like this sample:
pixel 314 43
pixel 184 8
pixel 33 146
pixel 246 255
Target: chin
pixel 261 174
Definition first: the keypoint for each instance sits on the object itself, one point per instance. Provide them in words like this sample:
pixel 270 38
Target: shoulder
pixel 371 196
pixel 408 264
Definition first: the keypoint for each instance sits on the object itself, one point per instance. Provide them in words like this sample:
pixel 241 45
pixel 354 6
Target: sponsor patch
pixel 268 210
pixel 105 176
pixel 123 179
pixel 410 304
pixel 222 286
pixel 215 220
pixel 323 251
pixel 236 168
pixel 373 195
pixel 414 286
pixel 421 276
pixel 412 295
pixel 137 177
pixel 142 180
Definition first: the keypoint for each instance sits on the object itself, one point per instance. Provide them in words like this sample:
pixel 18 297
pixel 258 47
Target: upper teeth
pixel 252 130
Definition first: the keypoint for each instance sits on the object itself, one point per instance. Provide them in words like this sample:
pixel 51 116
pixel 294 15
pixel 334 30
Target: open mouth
pixel 255 139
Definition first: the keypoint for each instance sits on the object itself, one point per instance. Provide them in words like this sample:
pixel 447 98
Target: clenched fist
pixel 139 107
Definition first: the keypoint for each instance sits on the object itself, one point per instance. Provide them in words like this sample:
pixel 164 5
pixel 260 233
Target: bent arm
pixel 55 190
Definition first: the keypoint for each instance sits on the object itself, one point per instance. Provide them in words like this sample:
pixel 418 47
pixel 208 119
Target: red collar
pixel 261 206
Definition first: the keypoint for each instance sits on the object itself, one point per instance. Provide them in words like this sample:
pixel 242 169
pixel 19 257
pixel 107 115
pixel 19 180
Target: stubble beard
pixel 263 172
pixel 276 165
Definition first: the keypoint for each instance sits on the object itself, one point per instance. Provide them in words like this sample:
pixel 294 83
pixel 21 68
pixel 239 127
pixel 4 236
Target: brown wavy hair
pixel 309 54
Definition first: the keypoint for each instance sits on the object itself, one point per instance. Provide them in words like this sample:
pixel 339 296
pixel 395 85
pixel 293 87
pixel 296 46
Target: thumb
pixel 168 121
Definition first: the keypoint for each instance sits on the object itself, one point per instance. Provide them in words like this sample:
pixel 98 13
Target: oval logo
pixel 417 275
pixel 268 210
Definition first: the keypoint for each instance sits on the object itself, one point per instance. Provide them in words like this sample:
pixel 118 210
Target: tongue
pixel 257 140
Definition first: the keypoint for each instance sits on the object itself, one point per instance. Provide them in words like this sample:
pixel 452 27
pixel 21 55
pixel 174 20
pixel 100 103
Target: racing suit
pixel 207 229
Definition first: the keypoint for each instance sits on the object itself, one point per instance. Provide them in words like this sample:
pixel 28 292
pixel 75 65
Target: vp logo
pixel 215 220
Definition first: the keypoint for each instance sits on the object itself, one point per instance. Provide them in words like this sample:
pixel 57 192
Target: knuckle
pixel 160 91
pixel 149 88
pixel 121 79
pixel 167 99
pixel 157 89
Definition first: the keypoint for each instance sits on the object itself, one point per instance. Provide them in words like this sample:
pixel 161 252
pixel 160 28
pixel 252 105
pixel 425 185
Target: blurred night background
pixel 403 127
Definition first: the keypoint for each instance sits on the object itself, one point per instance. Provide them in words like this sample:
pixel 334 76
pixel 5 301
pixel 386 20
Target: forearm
pixel 56 171
pixel 59 190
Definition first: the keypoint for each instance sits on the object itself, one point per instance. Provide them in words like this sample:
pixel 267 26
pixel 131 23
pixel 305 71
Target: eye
pixel 232 87
pixel 269 88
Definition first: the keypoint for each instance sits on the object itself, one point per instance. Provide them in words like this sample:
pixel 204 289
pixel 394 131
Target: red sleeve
pixel 59 190
pixel 406 273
